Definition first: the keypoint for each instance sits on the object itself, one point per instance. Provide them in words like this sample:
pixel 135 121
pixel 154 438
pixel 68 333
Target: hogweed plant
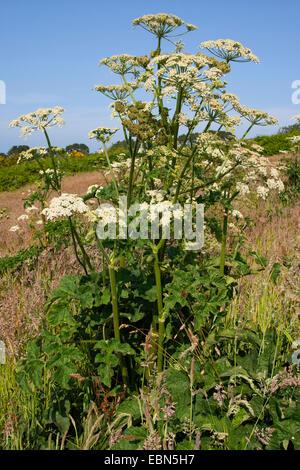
pixel 182 154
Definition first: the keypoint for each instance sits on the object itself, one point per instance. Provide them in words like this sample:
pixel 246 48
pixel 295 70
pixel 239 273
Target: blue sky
pixel 50 54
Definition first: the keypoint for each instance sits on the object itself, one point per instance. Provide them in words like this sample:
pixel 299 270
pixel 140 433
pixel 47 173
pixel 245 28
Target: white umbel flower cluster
pixel 256 116
pixel 262 192
pixel 106 214
pixel 65 205
pixel 30 154
pixel 14 228
pixel 40 119
pixel 237 214
pixel 93 188
pixel 161 24
pixel 228 49
pixel 23 217
pixel 116 92
pixel 120 64
pixel 103 134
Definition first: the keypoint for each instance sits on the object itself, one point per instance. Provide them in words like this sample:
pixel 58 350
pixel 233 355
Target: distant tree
pixel 79 147
pixel 119 146
pixel 16 149
pixel 290 129
pixel 224 135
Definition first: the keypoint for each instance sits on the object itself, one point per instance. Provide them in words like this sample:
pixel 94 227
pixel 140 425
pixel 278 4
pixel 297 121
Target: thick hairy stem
pixel 115 311
pixel 175 124
pixel 57 179
pixel 111 171
pixel 131 174
pixel 75 246
pixel 80 244
pixel 128 88
pixel 161 320
pixel 248 130
pixel 223 245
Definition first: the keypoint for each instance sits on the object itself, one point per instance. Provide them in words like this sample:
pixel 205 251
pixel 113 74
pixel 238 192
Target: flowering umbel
pixel 40 119
pixel 103 134
pixel 162 24
pixel 65 205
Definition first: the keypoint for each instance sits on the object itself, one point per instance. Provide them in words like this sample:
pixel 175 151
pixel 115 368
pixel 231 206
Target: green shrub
pixel 274 144
pixel 15 176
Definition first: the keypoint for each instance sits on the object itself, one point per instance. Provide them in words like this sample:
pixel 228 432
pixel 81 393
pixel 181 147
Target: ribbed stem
pixel 161 320
pixel 57 178
pixel 223 245
pixel 115 311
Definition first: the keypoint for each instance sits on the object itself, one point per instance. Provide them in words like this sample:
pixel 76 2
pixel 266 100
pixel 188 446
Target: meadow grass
pixel 259 303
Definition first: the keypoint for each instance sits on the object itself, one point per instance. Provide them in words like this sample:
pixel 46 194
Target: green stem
pixel 75 247
pixel 161 320
pixel 131 174
pixel 115 311
pixel 223 245
pixel 128 88
pixel 111 171
pixel 175 124
pixel 248 130
pixel 80 244
pixel 57 179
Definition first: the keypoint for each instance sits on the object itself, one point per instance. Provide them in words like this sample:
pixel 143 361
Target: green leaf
pixel 62 422
pixel 34 369
pixel 276 268
pixel 186 444
pixel 62 374
pixel 104 373
pixel 178 384
pixel 60 313
pixel 239 418
pixel 130 407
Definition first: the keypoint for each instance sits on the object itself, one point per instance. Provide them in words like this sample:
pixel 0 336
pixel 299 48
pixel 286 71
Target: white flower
pixel 256 116
pixel 275 184
pixel 116 92
pixel 161 24
pixel 213 74
pixel 34 152
pixel 65 205
pixel 295 139
pixel 40 119
pixel 156 195
pixel 14 228
pixel 106 214
pixel 262 192
pixel 103 134
pixel 242 188
pixel 31 208
pixel 120 64
pixel 23 217
pixel 237 214
pixel 274 173
pixel 229 49
pixel 93 188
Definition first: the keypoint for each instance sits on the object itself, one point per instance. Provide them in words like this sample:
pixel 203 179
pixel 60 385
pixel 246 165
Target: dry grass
pixel 23 294
pixel 12 204
pixel 275 232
